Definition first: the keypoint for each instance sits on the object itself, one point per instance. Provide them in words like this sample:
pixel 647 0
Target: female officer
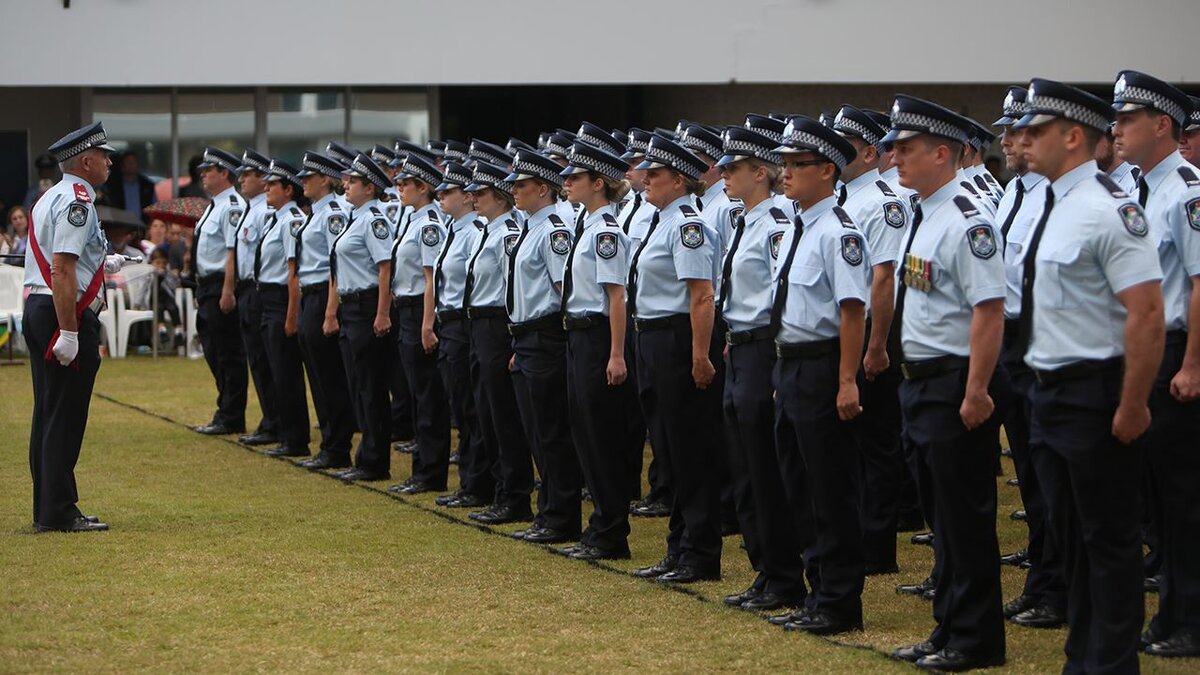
pixel 671 298
pixel 535 274
pixel 752 173
pixel 594 318
pixel 308 265
pixel 278 326
pixel 418 242
pixel 359 305
pixel 491 348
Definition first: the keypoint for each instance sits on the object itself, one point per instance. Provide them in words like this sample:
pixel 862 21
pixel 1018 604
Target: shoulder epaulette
pixel 688 210
pixel 335 205
pixel 778 215
pixel 376 211
pixel 847 221
pixel 1111 185
pixel 1189 176
pixel 885 188
pixel 433 215
pixel 478 224
pixel 970 188
pixel 512 224
pixel 609 220
pixel 297 213
pixel 966 206
pixel 556 221
pixel 233 199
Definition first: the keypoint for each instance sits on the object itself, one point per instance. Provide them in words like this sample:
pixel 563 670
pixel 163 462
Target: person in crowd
pixel 128 188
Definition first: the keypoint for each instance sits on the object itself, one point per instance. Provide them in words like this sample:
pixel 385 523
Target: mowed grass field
pixel 223 560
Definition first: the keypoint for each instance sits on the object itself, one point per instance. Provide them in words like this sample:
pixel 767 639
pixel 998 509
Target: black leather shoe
pixel 820 622
pixel 1183 643
pixel 453 496
pixel 418 487
pixel 500 514
pixel 1006 452
pixel 1150 636
pixel 324 460
pixel 258 438
pixel 1015 558
pixel 1019 604
pixel 216 430
pixel 586 552
pixel 879 570
pixel 1040 616
pixel 405 447
pixel 401 486
pixel 929 594
pixel 658 569
pixel 954 661
pixel 363 475
pixel 549 535
pixel 80 524
pixel 466 501
pixel 1018 515
pixel 454 459
pixel 914 653
pixel 916 589
pixel 790 617
pixel 1151 584
pixel 922 539
pixel 687 574
pixel 1013 482
pixel 649 509
pixel 737 599
pixel 283 451
pixel 769 602
pixel 521 534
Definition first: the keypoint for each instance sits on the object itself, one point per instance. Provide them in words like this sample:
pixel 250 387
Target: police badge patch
pixel 692 235
pixel 430 236
pixel 560 243
pixel 776 240
pixel 1134 219
pixel 893 214
pixel 510 244
pixel 234 218
pixel 852 251
pixel 337 223
pixel 77 214
pixel 735 213
pixel 380 229
pixel 982 241
pixel 391 210
pixel 295 227
pixel 606 245
pixel 1193 213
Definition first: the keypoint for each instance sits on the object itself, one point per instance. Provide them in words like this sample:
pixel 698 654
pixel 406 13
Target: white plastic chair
pixel 185 299
pixel 125 320
pixel 108 324
pixel 12 301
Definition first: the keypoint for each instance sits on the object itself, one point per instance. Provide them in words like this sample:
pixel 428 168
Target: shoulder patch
pixel 431 235
pixel 885 188
pixel 81 193
pixel 560 243
pixel 736 211
pixel 847 221
pixel 691 234
pixel 965 205
pixel 609 220
pixel 295 226
pixel 77 213
pixel 512 225
pixel 380 228
pixel 337 223
pixel 688 210
pixel 1135 220
pixel 1188 176
pixel 510 243
pixel 478 224
pixel 1192 208
pixel 555 220
pixel 852 249
pixel 779 216
pixel 392 210
pixel 966 185
pixel 775 240
pixel 234 217
pixel 606 244
pixel 893 214
pixel 982 240
pixel 1111 185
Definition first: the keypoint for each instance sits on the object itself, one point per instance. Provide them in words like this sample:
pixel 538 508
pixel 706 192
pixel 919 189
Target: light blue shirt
pixel 1018 235
pixel 487 270
pixel 312 246
pixel 720 213
pixel 1173 212
pixel 600 257
pixel 64 220
pixel 255 218
pixel 983 199
pixel 417 246
pixel 960 248
pixel 537 265
pixel 634 218
pixel 879 213
pixel 979 178
pixel 216 232
pixel 680 247
pixel 393 209
pixel 751 278
pixel 450 270
pixel 832 266
pixel 359 249
pixel 1122 174
pixel 277 243
pixel 1094 246
pixel 892 178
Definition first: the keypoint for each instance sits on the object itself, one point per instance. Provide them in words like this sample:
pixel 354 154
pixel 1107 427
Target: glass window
pixel 304 120
pixel 218 119
pixel 140 122
pixel 379 117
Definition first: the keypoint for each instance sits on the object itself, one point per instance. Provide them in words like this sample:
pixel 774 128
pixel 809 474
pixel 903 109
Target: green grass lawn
pixel 221 560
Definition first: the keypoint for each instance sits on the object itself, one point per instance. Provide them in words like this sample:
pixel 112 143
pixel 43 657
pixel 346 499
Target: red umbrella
pixel 184 210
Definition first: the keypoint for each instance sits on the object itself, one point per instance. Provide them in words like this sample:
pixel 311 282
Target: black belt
pixel 408 300
pixel 542 323
pixel 451 315
pixel 586 321
pixel 359 296
pixel 643 325
pixel 806 350
pixel 486 312
pixel 211 280
pixel 734 338
pixel 918 370
pixel 243 284
pixel 312 289
pixel 1176 337
pixel 272 287
pixel 1076 370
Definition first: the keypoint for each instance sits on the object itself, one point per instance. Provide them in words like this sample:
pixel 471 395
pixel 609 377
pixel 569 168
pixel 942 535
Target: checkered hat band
pixel 598 142
pixel 848 125
pixel 214 159
pixel 420 172
pixel 769 133
pixel 537 170
pixel 498 160
pixel 366 172
pixel 745 148
pixel 823 147
pixel 593 164
pixel 456 156
pixel 558 149
pixel 693 143
pixel 1016 109
pixel 930 125
pixel 322 168
pixel 1154 99
pixel 83 144
pixel 638 147
pixel 1069 110
pixel 452 177
pixel 497 182
pixel 660 156
pixel 286 175
pixel 255 164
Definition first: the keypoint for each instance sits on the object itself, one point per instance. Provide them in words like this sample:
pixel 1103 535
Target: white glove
pixel 113 263
pixel 66 347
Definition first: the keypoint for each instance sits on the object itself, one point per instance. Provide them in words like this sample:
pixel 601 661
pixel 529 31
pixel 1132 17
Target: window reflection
pixel 304 120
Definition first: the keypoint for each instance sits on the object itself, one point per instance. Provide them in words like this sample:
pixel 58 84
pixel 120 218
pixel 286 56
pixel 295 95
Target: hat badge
pixel 896 108
pixel 1008 100
pixel 839 118
pixel 1119 87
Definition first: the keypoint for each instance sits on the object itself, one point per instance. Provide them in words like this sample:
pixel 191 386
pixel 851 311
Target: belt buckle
pixel 906 371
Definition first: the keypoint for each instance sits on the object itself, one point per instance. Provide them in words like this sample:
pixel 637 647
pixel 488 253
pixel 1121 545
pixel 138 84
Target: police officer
pixel 966 174
pixel 1123 173
pixel 504 437
pixel 61 326
pixel 359 307
pixel 975 151
pixel 594 317
pixel 389 160
pixel 279 324
pixel 671 300
pixel 309 266
pixel 949 319
pixel 213 260
pixel 534 302
pixel 1189 143
pixel 1151 115
pixel 1092 327
pixel 418 242
pixel 556 146
pixel 881 216
pixel 251 180
pixel 772 128
pixel 1043 599
pixel 887 163
pixel 456 151
pixel 477 485
pixel 751 171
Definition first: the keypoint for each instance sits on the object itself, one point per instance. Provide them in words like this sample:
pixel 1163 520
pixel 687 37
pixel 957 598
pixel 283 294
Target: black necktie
pixel 568 281
pixel 262 236
pixel 437 268
pixel 1025 323
pixel 842 196
pixel 902 288
pixel 1143 191
pixel 579 223
pixel 699 204
pixel 727 270
pixel 333 248
pixel 299 242
pixel 632 285
pixel 781 286
pixel 470 284
pixel 1008 221
pixel 512 267
pixel 633 207
pixel 396 248
pixel 196 237
pixel 1136 173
